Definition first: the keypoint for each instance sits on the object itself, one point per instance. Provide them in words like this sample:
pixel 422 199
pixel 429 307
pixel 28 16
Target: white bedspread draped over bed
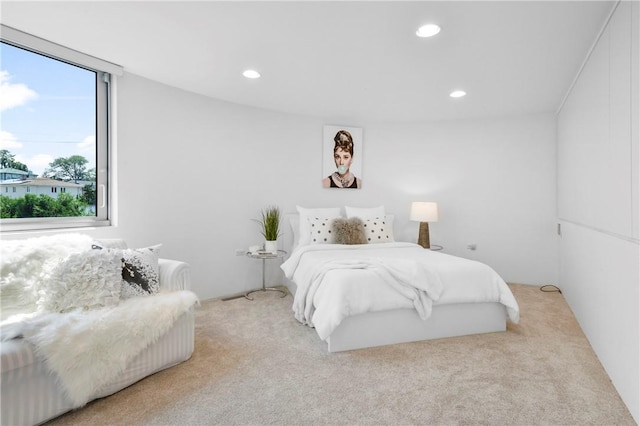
pixel 335 281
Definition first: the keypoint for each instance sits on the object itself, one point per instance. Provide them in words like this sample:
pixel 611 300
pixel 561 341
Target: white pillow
pixel 378 230
pixel 294 223
pixel 88 280
pixel 305 226
pixel 364 212
pixel 321 230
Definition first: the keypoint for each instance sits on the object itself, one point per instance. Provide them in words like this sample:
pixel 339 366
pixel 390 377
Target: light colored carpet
pixel 254 364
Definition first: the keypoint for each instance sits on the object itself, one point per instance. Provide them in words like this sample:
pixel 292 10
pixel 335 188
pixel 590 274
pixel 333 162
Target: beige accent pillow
pixel 349 231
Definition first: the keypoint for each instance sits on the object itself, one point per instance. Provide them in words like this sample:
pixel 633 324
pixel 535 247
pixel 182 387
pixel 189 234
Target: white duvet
pixel 335 281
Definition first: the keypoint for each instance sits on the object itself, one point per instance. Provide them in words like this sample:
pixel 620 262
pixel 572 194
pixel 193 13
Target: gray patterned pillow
pixel 140 271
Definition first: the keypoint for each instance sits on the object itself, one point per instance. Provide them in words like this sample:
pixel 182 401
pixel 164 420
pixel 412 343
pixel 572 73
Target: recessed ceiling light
pixel 428 30
pixel 457 93
pixel 251 74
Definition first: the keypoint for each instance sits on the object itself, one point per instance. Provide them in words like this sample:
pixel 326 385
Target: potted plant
pixel 270 227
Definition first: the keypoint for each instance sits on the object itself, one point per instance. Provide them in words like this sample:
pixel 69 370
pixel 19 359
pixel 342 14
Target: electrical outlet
pixel 472 246
pixel 240 252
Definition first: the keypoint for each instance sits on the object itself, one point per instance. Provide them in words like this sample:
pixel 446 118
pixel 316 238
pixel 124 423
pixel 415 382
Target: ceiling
pixel 346 62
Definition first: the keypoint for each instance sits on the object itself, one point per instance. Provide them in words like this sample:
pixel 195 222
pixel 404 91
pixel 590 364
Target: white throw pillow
pixel 321 230
pixel 305 226
pixel 87 280
pixel 378 230
pixel 364 212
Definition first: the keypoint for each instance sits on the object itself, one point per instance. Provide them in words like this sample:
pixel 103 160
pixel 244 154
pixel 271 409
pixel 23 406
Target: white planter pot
pixel 271 246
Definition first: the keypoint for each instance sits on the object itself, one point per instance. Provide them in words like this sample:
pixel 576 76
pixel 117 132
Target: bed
pixel 374 294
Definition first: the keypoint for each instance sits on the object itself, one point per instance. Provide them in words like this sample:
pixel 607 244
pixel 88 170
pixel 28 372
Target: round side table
pixel 264 256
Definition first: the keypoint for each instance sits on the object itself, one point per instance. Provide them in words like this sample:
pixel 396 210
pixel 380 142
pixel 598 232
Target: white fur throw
pixel 25 265
pixel 87 350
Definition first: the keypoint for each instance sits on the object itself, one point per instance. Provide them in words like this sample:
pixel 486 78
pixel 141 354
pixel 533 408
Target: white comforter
pixel 335 281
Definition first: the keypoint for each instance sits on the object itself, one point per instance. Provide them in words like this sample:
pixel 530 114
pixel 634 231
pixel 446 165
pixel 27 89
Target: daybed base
pixel 404 325
pixel 30 395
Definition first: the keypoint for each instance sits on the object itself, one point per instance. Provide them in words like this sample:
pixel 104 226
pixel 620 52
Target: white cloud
pixel 88 144
pixel 8 141
pixel 37 163
pixel 13 95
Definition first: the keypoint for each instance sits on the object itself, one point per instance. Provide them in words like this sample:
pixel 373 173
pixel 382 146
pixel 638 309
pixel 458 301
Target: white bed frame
pixel 405 325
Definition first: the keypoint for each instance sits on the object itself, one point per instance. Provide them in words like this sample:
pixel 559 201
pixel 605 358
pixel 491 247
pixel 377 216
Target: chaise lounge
pixel 47 370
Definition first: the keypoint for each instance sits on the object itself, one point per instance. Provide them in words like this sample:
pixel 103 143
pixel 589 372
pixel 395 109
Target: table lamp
pixel 424 212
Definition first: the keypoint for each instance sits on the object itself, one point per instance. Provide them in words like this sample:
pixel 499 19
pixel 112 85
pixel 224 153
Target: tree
pixel 68 169
pixel 6 158
pixel 8 161
pixel 41 205
pixel 89 194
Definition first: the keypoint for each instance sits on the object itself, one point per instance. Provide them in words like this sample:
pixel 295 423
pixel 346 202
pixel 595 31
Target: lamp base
pixel 423 235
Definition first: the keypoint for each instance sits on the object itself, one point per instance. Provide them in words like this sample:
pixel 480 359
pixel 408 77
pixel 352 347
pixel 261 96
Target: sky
pixel 47 109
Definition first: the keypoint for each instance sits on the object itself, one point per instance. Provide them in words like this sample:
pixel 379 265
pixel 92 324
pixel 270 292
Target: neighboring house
pixel 10 173
pixel 18 188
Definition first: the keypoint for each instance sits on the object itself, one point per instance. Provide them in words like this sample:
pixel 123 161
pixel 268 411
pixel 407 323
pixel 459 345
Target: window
pixel 55 105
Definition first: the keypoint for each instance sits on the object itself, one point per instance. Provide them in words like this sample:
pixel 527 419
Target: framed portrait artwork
pixel 342 157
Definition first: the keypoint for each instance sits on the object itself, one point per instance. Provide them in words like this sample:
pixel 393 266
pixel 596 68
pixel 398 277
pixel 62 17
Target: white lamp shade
pixel 424 211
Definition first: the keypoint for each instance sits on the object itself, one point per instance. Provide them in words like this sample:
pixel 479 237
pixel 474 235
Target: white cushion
pixel 364 212
pixel 321 230
pixel 378 230
pixel 305 226
pixel 88 280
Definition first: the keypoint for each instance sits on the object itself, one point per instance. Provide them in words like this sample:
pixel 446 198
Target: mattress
pixel 31 396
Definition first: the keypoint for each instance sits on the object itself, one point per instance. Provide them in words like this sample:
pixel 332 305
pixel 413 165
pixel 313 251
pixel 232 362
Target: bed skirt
pixel 31 396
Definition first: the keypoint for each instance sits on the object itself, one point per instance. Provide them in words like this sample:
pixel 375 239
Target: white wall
pixel 194 171
pixel 494 181
pixel 598 187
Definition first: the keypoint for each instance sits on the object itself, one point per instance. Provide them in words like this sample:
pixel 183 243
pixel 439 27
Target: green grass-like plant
pixel 270 223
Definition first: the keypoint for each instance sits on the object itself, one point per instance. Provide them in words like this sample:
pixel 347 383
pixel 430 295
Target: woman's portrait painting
pixel 342 157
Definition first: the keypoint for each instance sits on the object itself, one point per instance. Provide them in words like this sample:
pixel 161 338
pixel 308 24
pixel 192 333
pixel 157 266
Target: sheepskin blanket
pixel 87 350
